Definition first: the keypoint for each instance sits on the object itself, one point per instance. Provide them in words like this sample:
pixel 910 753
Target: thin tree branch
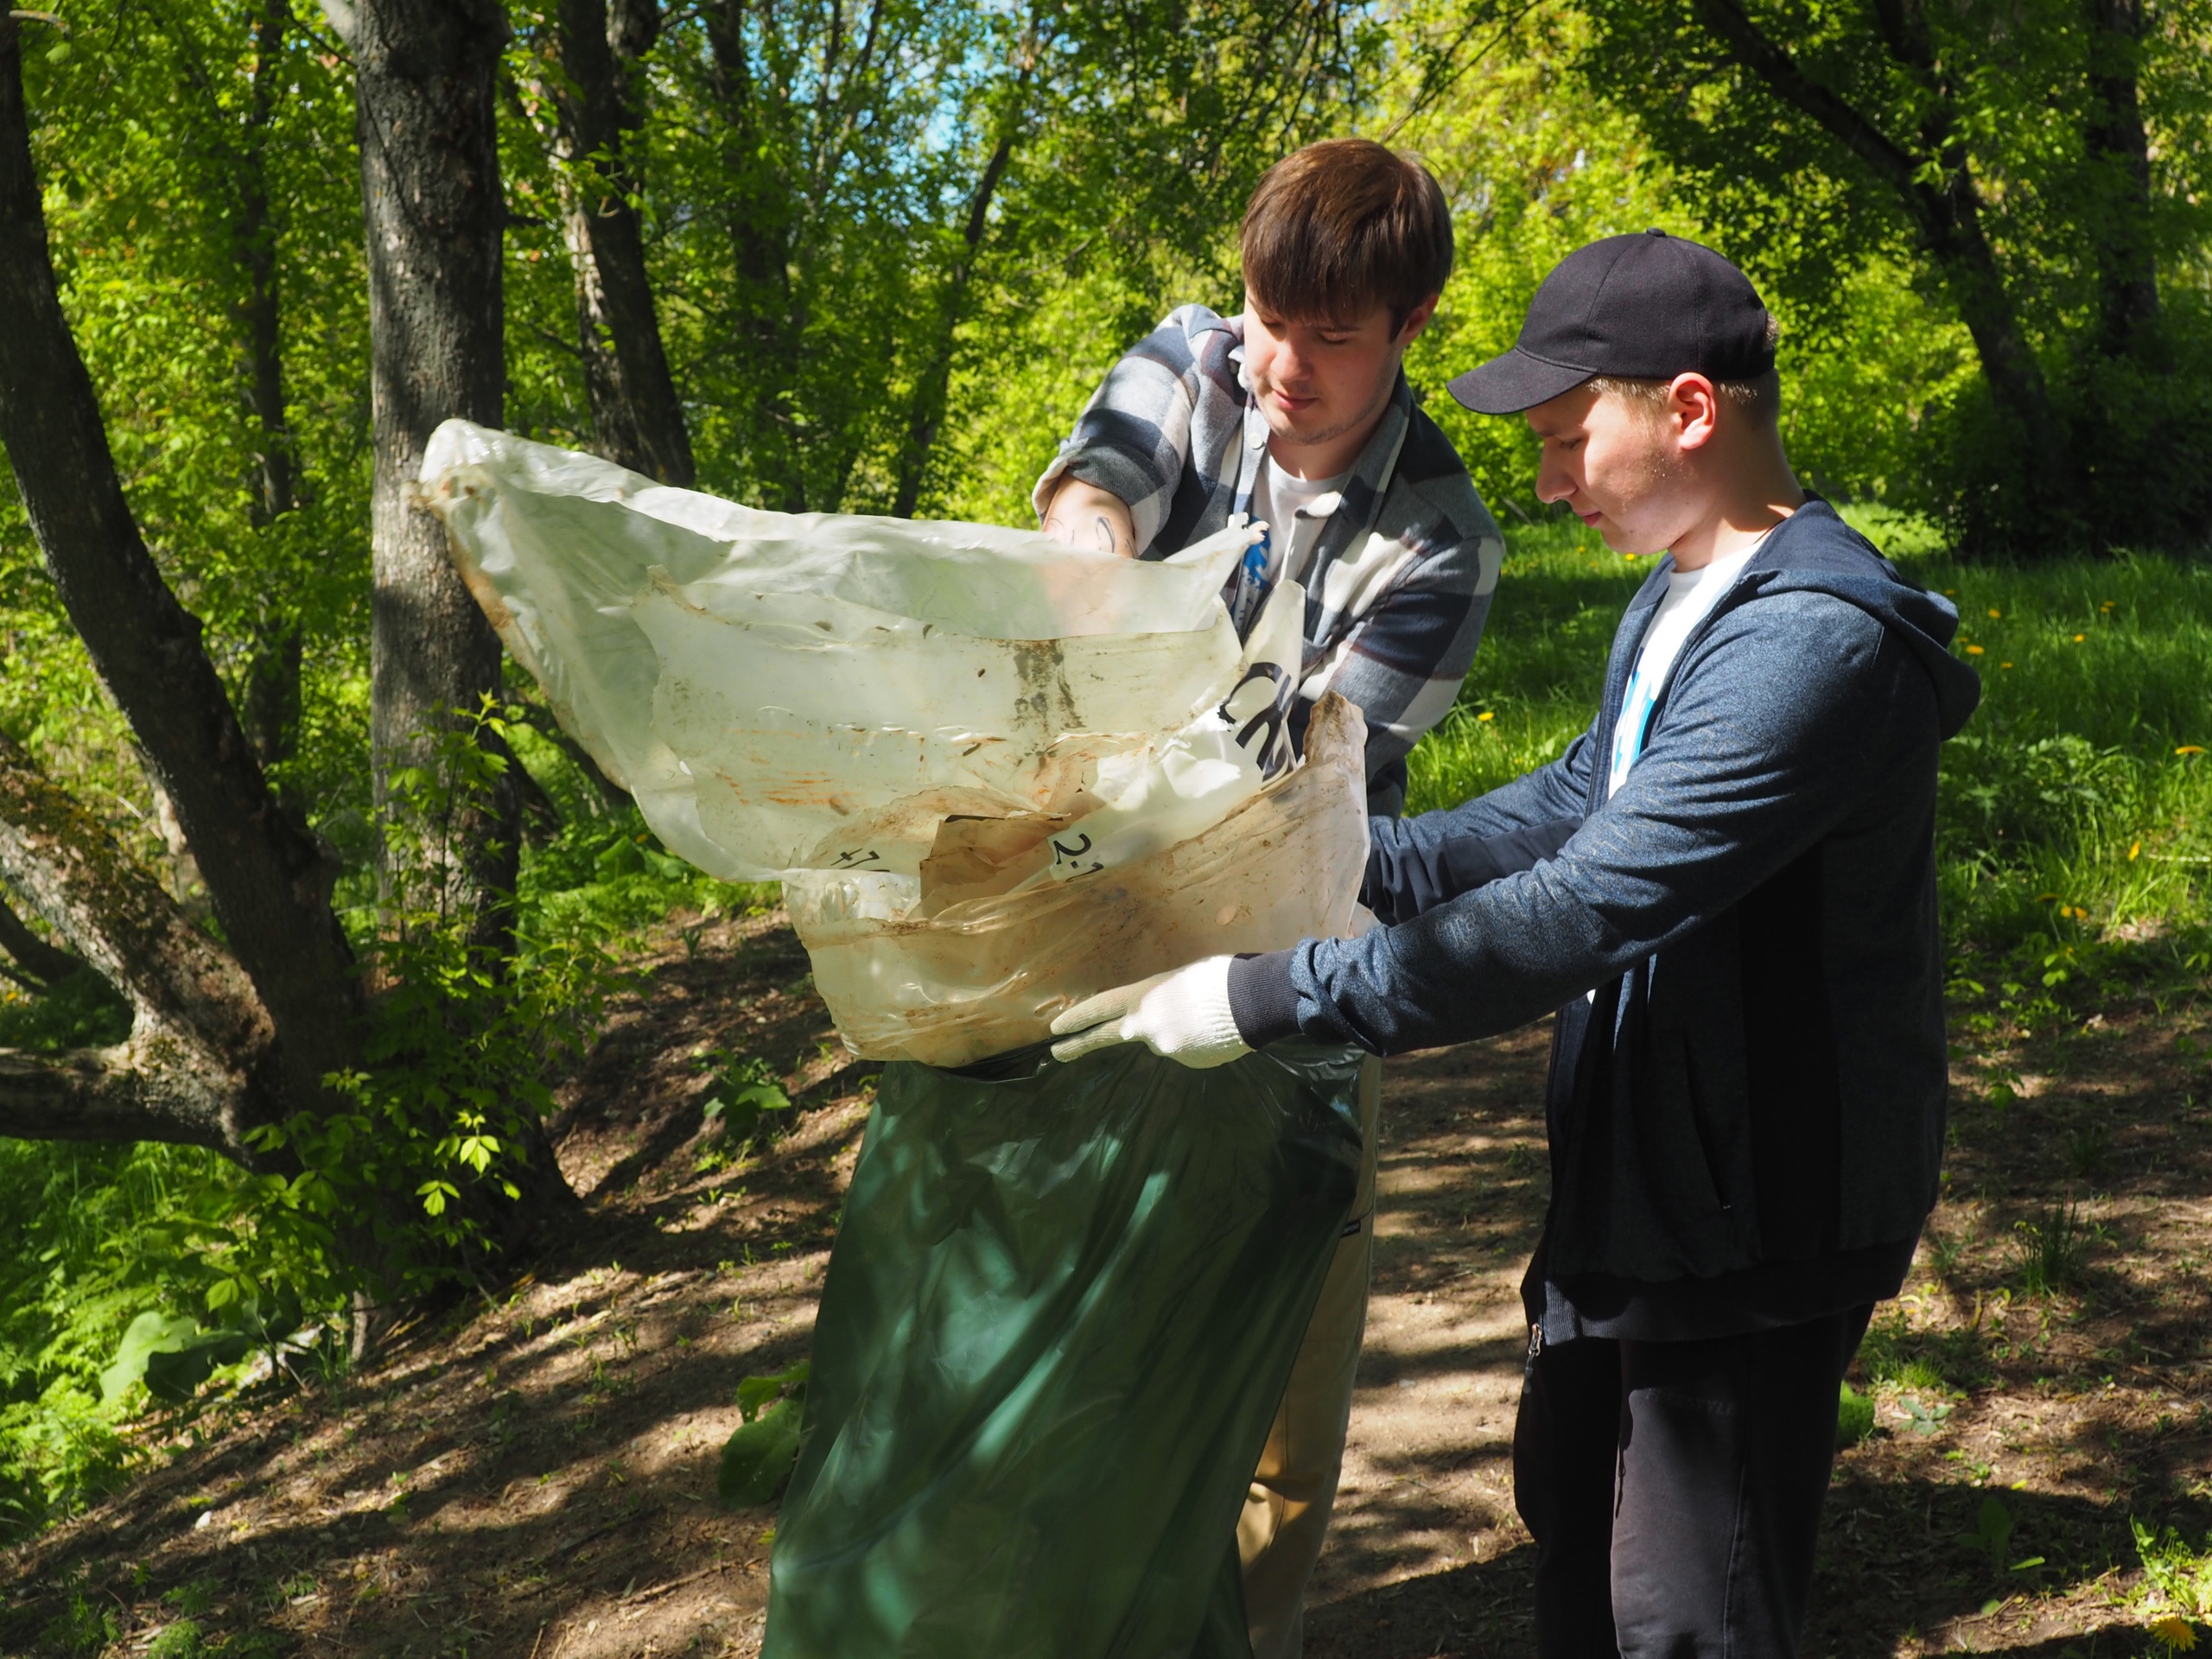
pixel 1433 85
pixel 1841 120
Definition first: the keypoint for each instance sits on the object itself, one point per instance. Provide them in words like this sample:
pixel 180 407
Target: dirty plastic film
pixel 995 773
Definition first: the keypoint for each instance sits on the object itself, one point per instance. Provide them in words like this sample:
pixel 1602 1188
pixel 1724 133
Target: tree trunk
pixel 637 417
pixel 272 692
pixel 201 1064
pixel 759 217
pixel 435 216
pixel 259 313
pixel 268 881
pixel 222 1040
pixel 1945 209
pixel 272 671
pixel 2120 228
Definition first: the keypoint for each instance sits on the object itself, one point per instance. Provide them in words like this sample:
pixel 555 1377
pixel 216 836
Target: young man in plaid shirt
pixel 1297 413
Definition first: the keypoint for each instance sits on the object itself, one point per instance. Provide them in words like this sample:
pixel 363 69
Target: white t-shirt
pixel 1276 499
pixel 1691 595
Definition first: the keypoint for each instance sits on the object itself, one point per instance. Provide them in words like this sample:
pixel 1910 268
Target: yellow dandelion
pixel 2135 852
pixel 1973 651
pixel 2191 748
pixel 1485 715
pixel 2176 1632
pixel 2003 665
pixel 2079 638
pixel 1996 616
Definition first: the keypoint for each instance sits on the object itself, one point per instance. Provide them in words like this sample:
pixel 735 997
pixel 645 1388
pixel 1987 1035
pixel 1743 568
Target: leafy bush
pixel 2178 1576
pixel 2000 798
pixel 80 1011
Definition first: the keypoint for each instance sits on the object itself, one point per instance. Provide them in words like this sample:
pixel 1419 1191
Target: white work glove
pixel 1182 1014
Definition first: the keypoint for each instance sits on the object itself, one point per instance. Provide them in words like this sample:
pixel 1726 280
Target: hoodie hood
pixel 1813 551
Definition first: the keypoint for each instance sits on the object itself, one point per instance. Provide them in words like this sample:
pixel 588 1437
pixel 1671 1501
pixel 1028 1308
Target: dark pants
pixel 1674 1487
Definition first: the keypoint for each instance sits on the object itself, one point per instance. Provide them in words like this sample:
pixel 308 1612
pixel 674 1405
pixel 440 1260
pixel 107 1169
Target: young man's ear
pixel 1416 320
pixel 1693 409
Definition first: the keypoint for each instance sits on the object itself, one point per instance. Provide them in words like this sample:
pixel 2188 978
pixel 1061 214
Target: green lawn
pixel 2076 806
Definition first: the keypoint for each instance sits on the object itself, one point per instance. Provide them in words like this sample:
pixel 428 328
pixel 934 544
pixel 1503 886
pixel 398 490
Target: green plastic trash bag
pixel 1060 1314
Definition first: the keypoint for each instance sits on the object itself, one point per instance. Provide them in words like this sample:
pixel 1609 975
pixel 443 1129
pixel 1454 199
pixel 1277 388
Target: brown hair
pixel 1343 225
pixel 1758 399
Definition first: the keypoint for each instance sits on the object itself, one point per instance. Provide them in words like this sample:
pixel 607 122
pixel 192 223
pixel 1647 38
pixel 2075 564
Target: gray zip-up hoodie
pixel 1759 1077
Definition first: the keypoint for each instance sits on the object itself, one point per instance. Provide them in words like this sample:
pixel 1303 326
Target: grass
pixel 2076 806
pixel 2053 1250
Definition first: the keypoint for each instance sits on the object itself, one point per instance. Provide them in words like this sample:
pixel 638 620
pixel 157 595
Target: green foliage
pixel 740 1090
pixel 759 1456
pixel 182 1640
pixel 2180 1577
pixel 80 1011
pixel 2076 809
pixel 2053 1249
pixel 86 1626
pixel 2073 205
pixel 1992 1530
pixel 467 1034
pixel 1854 1417
pixel 90 1236
pixel 1935 1363
pixel 174 1355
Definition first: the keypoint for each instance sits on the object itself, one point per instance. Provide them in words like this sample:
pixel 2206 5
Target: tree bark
pixel 259 312
pixel 760 226
pixel 2127 250
pixel 272 672
pixel 1945 210
pixel 435 216
pixel 267 880
pixel 202 1064
pixel 637 417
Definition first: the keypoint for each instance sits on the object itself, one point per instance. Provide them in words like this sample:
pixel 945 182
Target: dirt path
pixel 534 1478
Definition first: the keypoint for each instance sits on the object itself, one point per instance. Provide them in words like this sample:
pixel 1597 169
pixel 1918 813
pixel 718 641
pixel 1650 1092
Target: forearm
pixel 1082 515
pixel 1716 806
pixel 1407 875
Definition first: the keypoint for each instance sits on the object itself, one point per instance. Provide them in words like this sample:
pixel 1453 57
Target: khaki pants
pixel 1287 1512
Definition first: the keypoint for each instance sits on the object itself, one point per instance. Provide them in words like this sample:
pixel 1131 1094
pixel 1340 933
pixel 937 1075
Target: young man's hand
pixel 1182 1015
pixel 1082 515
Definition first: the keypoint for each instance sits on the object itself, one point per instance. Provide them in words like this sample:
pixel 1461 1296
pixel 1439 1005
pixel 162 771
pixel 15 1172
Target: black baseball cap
pixel 1648 307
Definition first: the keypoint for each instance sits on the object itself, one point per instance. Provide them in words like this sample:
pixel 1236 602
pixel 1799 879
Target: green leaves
pixel 1992 1530
pixel 1854 1417
pixel 758 1458
pixel 739 1089
pixel 174 1354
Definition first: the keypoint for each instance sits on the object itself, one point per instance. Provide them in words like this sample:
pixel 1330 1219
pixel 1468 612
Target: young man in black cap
pixel 1726 888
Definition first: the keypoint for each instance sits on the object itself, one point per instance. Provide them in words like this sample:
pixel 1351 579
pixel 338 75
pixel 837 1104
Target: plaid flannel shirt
pixel 1399 577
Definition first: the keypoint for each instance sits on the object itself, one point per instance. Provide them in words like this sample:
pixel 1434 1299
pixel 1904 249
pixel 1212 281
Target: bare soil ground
pixel 533 1476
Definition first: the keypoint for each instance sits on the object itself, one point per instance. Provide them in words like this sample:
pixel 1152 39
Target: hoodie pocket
pixel 1688 1126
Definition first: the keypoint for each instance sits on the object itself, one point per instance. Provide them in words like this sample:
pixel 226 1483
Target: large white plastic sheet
pixel 994 774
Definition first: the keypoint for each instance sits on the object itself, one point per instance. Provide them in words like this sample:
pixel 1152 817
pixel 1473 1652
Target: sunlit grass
pixel 2076 805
